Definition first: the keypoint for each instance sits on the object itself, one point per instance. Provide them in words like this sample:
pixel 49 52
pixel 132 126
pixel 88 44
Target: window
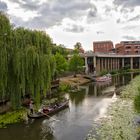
pixel 128 47
pixel 137 47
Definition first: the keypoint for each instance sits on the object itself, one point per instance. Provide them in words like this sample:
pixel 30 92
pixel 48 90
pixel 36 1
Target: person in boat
pixel 31 107
pixel 45 110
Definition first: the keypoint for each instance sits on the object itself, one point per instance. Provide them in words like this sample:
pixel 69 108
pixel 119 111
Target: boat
pixel 50 111
pixel 104 78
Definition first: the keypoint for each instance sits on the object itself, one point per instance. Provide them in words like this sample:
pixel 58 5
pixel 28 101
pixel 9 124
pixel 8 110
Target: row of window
pixel 129 47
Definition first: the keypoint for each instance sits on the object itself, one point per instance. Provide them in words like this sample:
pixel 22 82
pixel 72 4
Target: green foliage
pixel 78 48
pixel 113 72
pixel 76 63
pixel 12 117
pixel 59 49
pixel 104 72
pixel 131 91
pixel 26 65
pixel 61 63
pixel 137 101
pixel 64 87
pixel 118 125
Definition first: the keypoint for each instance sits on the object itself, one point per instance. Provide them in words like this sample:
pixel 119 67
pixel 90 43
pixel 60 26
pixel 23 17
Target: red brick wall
pixel 103 46
pixel 130 48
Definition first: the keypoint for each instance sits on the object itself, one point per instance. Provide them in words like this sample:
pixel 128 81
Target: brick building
pixel 128 47
pixel 103 47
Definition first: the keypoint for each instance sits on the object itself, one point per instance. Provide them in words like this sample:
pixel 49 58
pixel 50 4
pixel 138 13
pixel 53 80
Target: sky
pixel 71 21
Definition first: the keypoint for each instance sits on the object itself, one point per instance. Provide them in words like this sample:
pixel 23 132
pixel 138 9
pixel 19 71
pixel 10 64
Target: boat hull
pixel 41 115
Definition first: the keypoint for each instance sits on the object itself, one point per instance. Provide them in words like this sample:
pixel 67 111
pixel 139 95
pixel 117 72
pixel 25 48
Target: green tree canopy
pixel 61 49
pixel 78 48
pixel 76 63
pixel 26 63
pixel 61 64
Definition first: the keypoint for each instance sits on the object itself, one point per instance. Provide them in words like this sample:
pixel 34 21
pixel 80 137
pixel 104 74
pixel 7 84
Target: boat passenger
pixel 45 110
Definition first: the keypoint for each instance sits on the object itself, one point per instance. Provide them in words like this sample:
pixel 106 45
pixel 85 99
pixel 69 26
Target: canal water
pixel 73 123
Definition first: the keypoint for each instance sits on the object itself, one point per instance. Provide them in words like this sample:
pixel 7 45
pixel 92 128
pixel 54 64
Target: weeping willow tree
pixel 26 63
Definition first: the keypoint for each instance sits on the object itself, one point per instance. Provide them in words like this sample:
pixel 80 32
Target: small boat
pixel 104 78
pixel 51 110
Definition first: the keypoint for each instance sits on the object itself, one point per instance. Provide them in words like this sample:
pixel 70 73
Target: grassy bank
pixel 12 117
pixel 119 123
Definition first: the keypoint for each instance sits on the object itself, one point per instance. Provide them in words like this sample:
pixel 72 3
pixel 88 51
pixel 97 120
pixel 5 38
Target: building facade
pixel 128 47
pixel 110 62
pixel 103 47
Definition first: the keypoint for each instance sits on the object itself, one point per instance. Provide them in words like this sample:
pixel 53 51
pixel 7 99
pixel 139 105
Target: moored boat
pixel 50 111
pixel 104 78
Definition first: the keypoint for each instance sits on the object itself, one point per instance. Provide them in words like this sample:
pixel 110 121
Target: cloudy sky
pixel 71 21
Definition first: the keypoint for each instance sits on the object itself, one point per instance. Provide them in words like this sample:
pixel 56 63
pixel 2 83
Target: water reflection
pixel 46 130
pixel 77 97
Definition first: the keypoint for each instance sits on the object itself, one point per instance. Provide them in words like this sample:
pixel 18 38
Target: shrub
pixel 137 101
pixel 64 87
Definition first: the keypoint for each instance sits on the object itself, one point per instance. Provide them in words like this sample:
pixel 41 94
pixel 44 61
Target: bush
pixel 137 101
pixel 104 72
pixel 64 87
pixel 114 72
pixel 12 117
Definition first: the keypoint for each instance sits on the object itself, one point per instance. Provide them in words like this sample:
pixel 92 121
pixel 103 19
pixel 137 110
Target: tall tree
pixel 76 63
pixel 61 64
pixel 78 48
pixel 26 65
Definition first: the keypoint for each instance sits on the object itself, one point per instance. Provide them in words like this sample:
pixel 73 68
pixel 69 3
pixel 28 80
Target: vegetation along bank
pixel 122 118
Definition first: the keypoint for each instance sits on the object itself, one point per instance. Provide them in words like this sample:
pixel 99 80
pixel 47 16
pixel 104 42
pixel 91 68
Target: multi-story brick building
pixel 128 47
pixel 103 47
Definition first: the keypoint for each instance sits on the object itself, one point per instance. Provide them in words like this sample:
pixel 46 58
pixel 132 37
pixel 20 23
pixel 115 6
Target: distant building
pixel 128 47
pixel 103 47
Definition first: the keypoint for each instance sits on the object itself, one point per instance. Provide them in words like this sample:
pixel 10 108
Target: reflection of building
pixel 128 47
pixel 103 47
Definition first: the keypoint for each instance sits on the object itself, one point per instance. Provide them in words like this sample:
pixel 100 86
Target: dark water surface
pixel 72 123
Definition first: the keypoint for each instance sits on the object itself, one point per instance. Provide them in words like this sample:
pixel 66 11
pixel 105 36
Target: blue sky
pixel 85 21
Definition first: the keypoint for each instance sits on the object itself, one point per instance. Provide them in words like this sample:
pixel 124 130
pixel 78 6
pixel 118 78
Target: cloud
pixel 118 20
pixel 129 37
pixel 92 14
pixel 127 3
pixel 136 18
pixel 130 27
pixel 28 4
pixel 74 28
pixel 107 9
pixel 3 6
pixel 52 12
pixel 99 32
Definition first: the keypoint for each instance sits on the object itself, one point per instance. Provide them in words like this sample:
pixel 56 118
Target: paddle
pixel 49 116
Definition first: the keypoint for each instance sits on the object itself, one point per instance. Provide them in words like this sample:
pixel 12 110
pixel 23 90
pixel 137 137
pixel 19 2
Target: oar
pixel 49 116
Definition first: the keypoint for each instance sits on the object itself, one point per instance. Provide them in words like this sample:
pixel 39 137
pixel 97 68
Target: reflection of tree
pixel 46 131
pixel 77 97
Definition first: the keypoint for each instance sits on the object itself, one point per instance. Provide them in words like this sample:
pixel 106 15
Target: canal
pixel 73 123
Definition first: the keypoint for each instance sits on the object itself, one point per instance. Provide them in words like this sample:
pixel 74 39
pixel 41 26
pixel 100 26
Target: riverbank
pixel 119 122
pixel 12 117
pixel 74 81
